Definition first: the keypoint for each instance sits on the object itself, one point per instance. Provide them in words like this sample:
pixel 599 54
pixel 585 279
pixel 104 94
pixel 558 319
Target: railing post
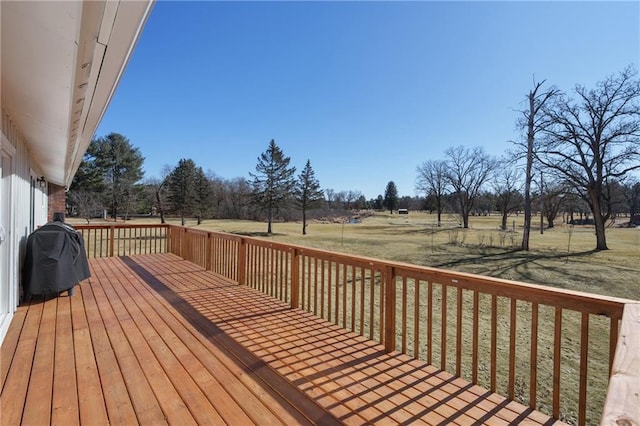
pixel 184 246
pixel 112 238
pixel 390 309
pixel 207 252
pixel 295 279
pixel 167 240
pixel 242 262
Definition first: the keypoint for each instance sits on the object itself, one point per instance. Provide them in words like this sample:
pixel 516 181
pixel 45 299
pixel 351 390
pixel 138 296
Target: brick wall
pixel 57 201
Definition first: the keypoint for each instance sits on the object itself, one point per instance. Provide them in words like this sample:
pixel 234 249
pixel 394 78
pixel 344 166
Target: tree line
pixel 577 154
pixel 583 145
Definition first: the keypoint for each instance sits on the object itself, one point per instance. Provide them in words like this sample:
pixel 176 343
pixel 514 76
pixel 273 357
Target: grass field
pixel 562 257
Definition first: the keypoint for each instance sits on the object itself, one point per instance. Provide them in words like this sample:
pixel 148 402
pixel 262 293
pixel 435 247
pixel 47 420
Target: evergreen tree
pixel 273 183
pixel 204 195
pixel 391 196
pixel 181 185
pixel 119 166
pixel 308 194
pixel 87 189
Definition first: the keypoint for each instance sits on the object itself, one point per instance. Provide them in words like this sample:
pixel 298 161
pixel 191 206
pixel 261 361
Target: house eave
pixel 61 63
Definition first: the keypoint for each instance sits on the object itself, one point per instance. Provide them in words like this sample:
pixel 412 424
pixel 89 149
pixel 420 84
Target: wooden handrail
pixel 373 297
pixel 123 239
pixel 622 406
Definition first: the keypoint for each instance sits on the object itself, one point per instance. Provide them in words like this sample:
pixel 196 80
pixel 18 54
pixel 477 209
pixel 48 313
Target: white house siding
pixel 21 214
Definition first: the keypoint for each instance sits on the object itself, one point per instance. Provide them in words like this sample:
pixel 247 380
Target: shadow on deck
pixel 155 339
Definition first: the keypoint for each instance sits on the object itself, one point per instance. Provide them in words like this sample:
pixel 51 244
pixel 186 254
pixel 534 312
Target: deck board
pixel 154 339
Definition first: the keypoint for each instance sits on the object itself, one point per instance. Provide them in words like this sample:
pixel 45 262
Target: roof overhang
pixel 60 65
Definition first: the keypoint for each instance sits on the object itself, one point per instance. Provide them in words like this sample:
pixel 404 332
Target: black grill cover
pixel 55 260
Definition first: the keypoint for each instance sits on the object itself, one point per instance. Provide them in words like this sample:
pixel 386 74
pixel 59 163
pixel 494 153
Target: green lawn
pixel 562 257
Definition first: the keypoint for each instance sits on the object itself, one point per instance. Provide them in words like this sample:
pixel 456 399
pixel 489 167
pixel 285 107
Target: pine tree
pixel 273 183
pixel 204 195
pixel 391 196
pixel 181 185
pixel 308 194
pixel 120 165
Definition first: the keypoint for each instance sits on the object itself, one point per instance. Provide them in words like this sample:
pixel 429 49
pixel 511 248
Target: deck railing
pixel 550 348
pixel 123 240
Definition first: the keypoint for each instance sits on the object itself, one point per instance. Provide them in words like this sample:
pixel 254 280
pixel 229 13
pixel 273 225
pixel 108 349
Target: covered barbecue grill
pixel 55 260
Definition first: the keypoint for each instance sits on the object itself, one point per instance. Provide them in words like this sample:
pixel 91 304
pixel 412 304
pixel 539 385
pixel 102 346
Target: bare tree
pixel 534 120
pixel 468 170
pixel 236 199
pixel 553 196
pixel 86 203
pixel 160 186
pixel 432 180
pixel 507 183
pixel 351 197
pixel 594 141
pixel 331 197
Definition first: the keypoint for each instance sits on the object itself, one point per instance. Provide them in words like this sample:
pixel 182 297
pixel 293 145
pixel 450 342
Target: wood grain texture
pixel 622 406
pixel 154 339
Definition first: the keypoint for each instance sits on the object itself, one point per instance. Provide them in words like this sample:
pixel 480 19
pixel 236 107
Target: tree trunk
pixel 528 177
pixel 505 215
pixel 160 206
pixel 598 220
pixel 269 220
pixel 465 216
pixel 304 222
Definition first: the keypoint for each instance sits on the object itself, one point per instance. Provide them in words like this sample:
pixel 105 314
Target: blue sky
pixel 365 90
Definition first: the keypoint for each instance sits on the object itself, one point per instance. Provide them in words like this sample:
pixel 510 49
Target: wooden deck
pixel 155 339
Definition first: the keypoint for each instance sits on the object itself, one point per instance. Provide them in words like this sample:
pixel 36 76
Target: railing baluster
pixel 295 278
pixel 557 335
pixel 458 330
pixel 304 281
pixel 315 286
pixel 443 332
pixel 389 298
pixel 614 324
pixel 584 364
pixel 353 298
pixel 494 339
pixel 404 314
pixel 474 351
pixel 430 322
pixel 512 348
pixel 337 301
pixel 112 231
pixel 322 288
pixel 344 295
pixel 372 297
pixel 416 318
pixel 382 308
pixel 362 293
pixel 533 360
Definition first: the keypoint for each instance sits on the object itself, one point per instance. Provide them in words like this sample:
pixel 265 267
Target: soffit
pixel 60 64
